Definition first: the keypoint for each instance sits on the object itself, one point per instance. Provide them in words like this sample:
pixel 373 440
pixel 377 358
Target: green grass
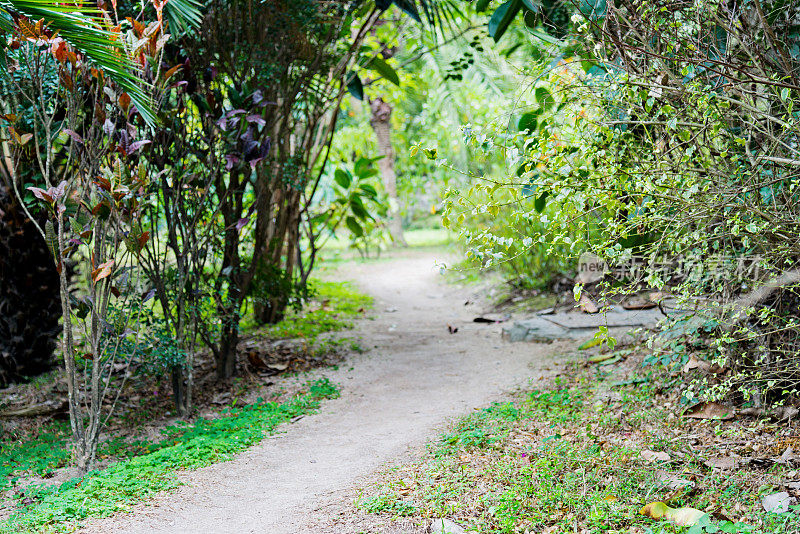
pixel 545 461
pixel 334 307
pixel 185 446
pixel 37 456
pixel 146 467
pixel 416 238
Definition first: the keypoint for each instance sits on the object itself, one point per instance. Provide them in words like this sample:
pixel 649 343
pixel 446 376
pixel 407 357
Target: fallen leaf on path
pixel 724 463
pixel 601 357
pixel 591 343
pixel 709 410
pixel 704 366
pixel 655 456
pixel 777 502
pixel 255 360
pixel 673 482
pixel 787 457
pixel 683 517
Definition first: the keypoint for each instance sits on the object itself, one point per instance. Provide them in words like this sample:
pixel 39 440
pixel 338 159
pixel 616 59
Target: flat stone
pixel 575 325
pixel 445 526
pixel 614 317
pixel 777 503
pixel 535 329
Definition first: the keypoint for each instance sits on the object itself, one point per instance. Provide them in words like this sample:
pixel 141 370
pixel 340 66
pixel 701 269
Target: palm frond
pixel 81 26
pixel 184 15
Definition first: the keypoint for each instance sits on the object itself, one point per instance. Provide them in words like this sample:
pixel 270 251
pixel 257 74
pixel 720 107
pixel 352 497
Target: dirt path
pixel 400 393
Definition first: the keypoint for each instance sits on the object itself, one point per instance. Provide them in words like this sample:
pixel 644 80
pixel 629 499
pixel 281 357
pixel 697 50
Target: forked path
pixel 415 377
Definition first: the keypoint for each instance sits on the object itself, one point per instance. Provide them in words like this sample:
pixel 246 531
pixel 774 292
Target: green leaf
pixel 369 190
pixel 502 18
pixel 540 202
pixel 527 122
pixel 362 166
pixel 481 5
pixel 384 69
pixel 593 9
pixel 342 178
pixel 357 207
pixel 544 98
pixel 354 227
pixel 355 87
pixel 409 7
pixel 536 7
pixel 184 15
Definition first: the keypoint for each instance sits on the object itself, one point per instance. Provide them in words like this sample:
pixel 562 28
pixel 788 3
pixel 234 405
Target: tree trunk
pixel 226 354
pixel 380 121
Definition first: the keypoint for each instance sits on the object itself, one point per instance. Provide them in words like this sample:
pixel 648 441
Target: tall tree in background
pixel 382 126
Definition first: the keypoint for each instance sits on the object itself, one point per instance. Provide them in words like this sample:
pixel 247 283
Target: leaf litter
pixel 602 449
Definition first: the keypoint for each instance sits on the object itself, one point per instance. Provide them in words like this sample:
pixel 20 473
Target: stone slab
pixel 577 325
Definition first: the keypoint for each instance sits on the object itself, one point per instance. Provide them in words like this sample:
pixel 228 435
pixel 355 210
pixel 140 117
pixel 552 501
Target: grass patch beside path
pixel 139 467
pixel 578 458
pixel 186 446
pixel 332 308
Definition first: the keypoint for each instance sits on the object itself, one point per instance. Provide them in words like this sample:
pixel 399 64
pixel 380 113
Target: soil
pixel 415 378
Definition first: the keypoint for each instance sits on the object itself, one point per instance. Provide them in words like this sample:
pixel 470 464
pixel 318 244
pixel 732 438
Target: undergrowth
pixel 569 459
pixel 333 308
pixel 185 446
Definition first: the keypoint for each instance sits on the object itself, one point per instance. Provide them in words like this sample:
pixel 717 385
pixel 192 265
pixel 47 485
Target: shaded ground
pixel 415 378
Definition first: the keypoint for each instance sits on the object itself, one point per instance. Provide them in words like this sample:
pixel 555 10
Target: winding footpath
pixel 413 380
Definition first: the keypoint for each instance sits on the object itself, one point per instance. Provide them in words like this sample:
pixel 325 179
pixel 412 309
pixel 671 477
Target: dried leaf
pixel 777 503
pixel 684 517
pixel 587 305
pixel 655 456
pixel 103 271
pixel 709 410
pixel 724 463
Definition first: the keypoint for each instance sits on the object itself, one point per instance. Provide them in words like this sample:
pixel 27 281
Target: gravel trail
pixel 415 377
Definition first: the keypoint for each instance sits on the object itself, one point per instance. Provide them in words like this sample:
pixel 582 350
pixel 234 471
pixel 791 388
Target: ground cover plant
pixel 33 451
pixel 587 453
pixel 186 446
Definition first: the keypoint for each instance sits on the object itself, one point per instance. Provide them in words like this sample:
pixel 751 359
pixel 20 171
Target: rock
pixel 570 325
pixel 777 502
pixel 445 526
pixel 536 329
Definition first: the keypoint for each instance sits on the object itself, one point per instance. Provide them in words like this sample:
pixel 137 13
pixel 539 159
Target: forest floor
pixel 415 377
